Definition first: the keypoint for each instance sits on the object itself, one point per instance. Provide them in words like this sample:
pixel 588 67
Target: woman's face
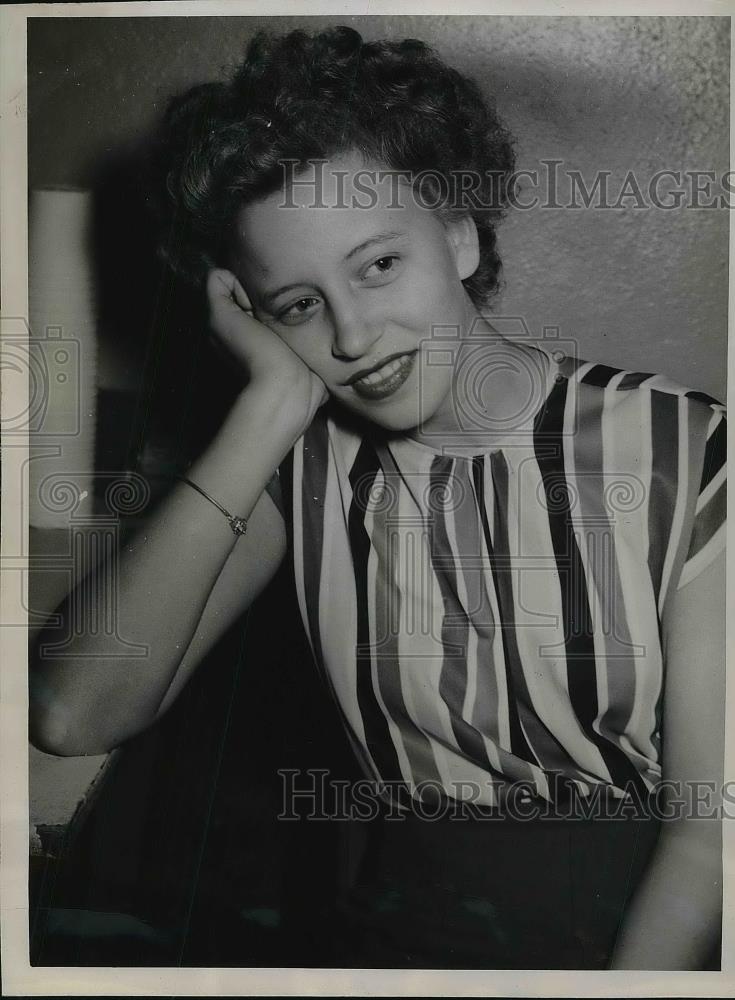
pixel 356 292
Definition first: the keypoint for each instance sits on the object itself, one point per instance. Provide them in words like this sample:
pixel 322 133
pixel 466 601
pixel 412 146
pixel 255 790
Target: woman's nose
pixel 354 333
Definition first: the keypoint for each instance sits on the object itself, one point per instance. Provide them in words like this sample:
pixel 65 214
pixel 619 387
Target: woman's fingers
pixel 224 282
pixel 228 301
pixel 232 320
pixel 233 323
pixel 241 297
pixel 268 360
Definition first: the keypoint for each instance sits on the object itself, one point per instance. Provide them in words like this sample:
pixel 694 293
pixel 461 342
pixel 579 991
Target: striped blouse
pixel 495 617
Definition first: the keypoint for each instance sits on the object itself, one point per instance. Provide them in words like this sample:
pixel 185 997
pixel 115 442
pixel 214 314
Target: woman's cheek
pixel 431 294
pixel 302 346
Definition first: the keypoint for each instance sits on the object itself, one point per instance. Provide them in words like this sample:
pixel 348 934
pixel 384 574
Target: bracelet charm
pixel 239 525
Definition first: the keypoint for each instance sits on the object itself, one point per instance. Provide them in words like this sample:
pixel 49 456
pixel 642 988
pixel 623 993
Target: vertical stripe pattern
pixel 497 616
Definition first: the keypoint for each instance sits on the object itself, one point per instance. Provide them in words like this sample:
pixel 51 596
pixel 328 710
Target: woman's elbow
pixel 56 728
pixel 54 731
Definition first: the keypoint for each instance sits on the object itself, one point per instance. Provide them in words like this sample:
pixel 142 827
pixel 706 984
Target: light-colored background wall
pixel 642 289
pixel 638 288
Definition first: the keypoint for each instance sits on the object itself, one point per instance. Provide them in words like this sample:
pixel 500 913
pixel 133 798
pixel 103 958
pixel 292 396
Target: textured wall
pixel 641 288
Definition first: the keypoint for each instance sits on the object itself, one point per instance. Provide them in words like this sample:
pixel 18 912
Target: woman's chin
pixel 394 419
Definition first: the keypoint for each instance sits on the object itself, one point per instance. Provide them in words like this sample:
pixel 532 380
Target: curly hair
pixel 302 97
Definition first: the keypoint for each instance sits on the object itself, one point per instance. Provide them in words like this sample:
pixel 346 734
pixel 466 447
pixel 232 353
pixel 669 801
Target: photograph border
pixel 18 977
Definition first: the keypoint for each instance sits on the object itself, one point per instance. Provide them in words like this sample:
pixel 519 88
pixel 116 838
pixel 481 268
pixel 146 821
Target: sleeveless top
pixel 493 617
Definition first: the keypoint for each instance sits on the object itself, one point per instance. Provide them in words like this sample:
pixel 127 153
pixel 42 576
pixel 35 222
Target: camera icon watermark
pixel 495 352
pixel 50 365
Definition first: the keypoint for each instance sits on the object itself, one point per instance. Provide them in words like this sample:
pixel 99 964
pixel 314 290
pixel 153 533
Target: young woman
pixel 508 562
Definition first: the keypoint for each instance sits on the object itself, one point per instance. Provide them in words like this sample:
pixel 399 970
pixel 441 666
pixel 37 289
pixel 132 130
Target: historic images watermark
pixel 312 794
pixel 552 185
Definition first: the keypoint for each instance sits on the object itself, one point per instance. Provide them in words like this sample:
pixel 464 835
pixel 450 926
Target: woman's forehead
pixel 345 178
pixel 333 206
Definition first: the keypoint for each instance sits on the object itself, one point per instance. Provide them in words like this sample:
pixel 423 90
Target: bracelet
pixel 238 524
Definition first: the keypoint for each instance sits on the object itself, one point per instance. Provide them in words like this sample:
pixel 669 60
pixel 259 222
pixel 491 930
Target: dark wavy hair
pixel 301 96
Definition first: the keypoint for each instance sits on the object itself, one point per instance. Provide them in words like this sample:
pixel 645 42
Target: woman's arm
pixel 186 575
pixel 178 569
pixel 674 919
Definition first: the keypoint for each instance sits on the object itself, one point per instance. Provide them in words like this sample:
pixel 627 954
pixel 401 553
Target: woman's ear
pixel 465 245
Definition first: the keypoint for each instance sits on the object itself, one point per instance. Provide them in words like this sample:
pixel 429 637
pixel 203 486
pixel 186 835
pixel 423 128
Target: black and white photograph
pixel 364 483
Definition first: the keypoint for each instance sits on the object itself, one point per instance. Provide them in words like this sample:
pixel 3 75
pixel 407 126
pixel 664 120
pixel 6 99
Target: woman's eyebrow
pixel 378 238
pixel 269 297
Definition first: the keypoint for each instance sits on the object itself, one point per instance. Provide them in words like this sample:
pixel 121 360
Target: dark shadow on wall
pixel 169 389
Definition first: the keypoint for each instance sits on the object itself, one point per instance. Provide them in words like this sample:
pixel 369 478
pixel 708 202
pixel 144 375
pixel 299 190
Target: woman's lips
pixel 387 379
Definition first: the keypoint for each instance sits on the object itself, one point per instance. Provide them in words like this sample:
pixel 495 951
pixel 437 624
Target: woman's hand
pixel 275 372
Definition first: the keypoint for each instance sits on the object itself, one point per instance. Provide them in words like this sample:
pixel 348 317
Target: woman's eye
pixel 298 310
pixel 383 265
